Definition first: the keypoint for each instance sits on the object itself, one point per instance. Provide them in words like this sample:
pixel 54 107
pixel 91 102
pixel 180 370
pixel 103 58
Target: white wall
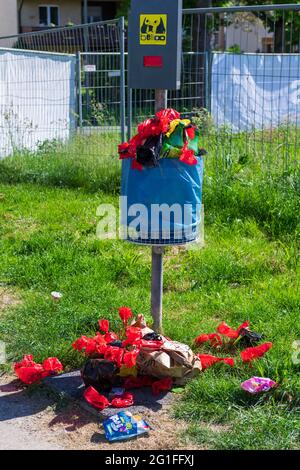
pixel 248 36
pixel 8 18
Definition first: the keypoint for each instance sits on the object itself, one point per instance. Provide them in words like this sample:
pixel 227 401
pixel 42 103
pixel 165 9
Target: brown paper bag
pixel 174 360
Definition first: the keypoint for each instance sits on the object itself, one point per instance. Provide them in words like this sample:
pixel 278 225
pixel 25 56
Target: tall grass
pixel 87 161
pixel 254 175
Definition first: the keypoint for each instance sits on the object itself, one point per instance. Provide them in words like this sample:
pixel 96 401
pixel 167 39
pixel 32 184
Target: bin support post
pixel 157 251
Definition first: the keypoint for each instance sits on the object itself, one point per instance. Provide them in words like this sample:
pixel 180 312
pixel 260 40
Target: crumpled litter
pixel 226 330
pixel 162 385
pixel 127 399
pixel 30 372
pixel 208 361
pixel 163 123
pixel 138 382
pixel 250 354
pixel 218 341
pixel 258 385
pixel 95 399
pixel 100 402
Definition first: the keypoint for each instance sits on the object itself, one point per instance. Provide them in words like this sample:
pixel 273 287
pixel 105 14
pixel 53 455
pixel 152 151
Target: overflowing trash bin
pixel 162 174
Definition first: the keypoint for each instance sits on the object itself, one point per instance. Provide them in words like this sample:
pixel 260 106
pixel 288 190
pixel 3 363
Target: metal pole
pixel 79 89
pixel 157 251
pixel 122 78
pixel 129 112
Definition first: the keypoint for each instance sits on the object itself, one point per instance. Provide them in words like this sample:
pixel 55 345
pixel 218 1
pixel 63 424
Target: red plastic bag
pixel 114 354
pixel 137 382
pixel 127 399
pixel 208 361
pixel 81 343
pixel 188 156
pixel 162 385
pixel 52 364
pixel 250 354
pixel 134 335
pixel 129 358
pixel 125 314
pixel 214 338
pixel 95 399
pixel 29 371
pixel 29 375
pixel 27 361
pixel 104 325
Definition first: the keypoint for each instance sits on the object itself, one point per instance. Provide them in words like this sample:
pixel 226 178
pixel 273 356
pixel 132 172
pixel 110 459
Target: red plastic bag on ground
pixel 29 371
pixel 127 399
pixel 214 338
pixel 208 361
pixel 137 382
pixel 29 375
pixel 250 354
pixel 52 364
pixel 95 399
pixel 162 385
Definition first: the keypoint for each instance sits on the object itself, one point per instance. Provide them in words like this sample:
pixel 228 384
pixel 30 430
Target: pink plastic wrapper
pixel 258 385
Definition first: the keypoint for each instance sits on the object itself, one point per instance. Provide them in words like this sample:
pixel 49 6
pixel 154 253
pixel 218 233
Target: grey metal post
pixel 122 77
pixel 79 88
pixel 157 251
pixel 129 112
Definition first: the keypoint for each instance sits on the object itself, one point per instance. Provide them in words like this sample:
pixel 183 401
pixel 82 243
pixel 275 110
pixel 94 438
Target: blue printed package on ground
pixel 162 205
pixel 123 426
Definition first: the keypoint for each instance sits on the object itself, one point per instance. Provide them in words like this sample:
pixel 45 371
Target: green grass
pixel 249 269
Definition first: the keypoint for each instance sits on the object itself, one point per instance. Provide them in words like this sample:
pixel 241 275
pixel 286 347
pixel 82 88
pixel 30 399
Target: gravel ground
pixel 32 419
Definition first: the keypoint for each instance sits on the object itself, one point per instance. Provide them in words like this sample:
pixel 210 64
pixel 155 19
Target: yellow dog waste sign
pixel 153 29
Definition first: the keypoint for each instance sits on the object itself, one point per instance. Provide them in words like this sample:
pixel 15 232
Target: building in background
pixel 244 32
pixel 8 17
pixel 33 15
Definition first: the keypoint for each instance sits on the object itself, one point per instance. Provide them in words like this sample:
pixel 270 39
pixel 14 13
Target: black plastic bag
pixel 152 337
pixel 249 338
pixel 149 153
pixel 101 374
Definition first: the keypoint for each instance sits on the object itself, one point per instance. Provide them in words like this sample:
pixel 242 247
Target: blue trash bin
pixel 162 205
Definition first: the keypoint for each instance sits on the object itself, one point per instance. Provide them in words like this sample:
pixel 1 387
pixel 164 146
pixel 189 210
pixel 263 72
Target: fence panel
pixel 249 86
pixel 218 96
pixel 37 99
pixel 97 119
pixel 210 37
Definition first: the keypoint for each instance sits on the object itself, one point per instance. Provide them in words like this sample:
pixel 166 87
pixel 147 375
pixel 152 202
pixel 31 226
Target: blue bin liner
pixel 172 182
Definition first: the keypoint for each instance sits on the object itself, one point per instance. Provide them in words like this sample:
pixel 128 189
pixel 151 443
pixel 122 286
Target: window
pixel 94 14
pixel 48 15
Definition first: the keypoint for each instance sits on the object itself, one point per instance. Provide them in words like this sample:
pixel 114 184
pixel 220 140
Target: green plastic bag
pixel 172 146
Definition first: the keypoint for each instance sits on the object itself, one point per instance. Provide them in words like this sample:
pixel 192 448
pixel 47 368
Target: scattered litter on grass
pixel 227 339
pixel 56 295
pixel 258 385
pixel 29 371
pixel 123 426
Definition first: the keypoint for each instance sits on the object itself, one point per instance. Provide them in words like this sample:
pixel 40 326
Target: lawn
pixel 248 270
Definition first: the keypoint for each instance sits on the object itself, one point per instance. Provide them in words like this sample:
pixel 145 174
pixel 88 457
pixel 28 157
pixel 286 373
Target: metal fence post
pixel 129 112
pixel 122 78
pixel 157 251
pixel 79 92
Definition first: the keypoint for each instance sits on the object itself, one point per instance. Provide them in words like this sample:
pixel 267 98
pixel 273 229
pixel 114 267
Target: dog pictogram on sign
pixel 153 30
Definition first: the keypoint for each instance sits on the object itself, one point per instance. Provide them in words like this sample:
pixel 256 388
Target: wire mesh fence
pixel 247 79
pixel 240 82
pixel 61 95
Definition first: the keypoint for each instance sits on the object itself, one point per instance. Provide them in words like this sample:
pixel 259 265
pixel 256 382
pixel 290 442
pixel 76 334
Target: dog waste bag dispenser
pixel 161 169
pixel 154 44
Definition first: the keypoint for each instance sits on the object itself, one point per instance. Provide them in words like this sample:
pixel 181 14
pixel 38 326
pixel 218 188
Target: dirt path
pixel 33 420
